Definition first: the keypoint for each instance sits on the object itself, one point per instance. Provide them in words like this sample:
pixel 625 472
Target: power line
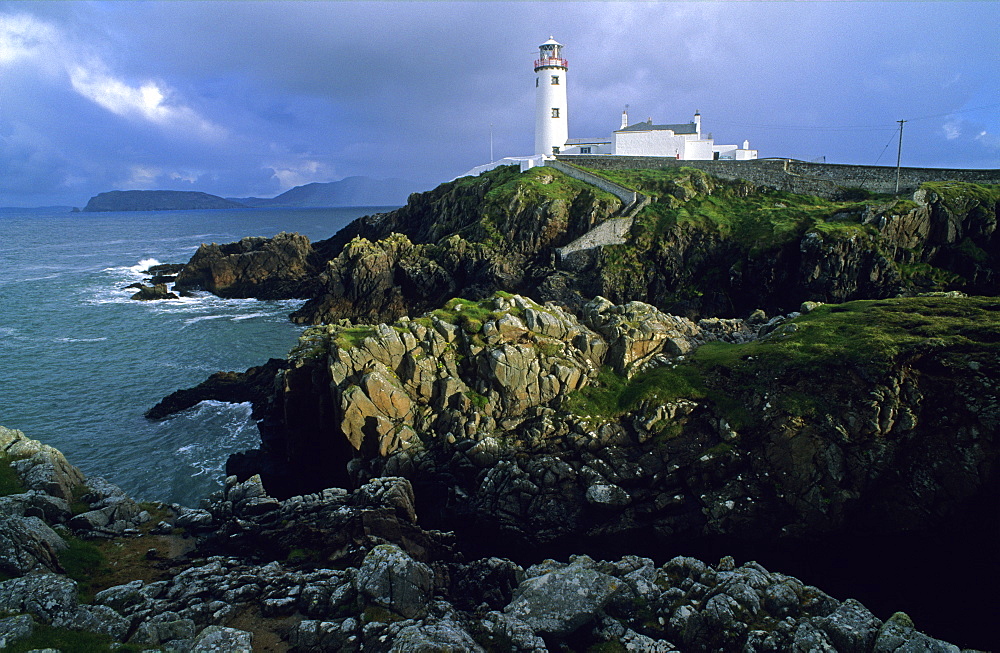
pixel 881 127
pixel 952 113
pixel 808 128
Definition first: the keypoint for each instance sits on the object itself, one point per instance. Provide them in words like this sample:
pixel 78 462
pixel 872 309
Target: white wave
pixel 80 339
pixel 250 316
pixel 201 318
pixel 233 431
pixel 43 278
pixel 143 265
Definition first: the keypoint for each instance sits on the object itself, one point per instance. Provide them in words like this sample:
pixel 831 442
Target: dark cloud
pixel 249 98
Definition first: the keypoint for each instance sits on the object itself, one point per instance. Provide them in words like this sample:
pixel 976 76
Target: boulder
pixel 153 293
pixel 219 639
pixel 14 629
pixel 559 602
pixel 28 545
pixel 51 598
pixel 40 467
pixel 265 268
pixel 390 578
pixel 441 636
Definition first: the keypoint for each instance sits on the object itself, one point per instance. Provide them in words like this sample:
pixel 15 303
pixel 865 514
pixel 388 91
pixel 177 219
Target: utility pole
pixel 899 152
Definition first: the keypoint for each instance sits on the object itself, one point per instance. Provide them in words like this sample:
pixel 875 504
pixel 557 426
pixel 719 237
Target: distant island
pixel 158 200
pixel 351 191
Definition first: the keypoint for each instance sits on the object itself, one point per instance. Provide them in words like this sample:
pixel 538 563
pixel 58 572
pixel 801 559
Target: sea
pixel 80 362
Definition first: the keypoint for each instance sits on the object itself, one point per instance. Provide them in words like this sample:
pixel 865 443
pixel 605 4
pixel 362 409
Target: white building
pixel 551 126
pixel 680 141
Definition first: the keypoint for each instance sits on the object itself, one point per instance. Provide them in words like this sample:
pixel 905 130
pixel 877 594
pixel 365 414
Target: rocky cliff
pixel 354 571
pixel 527 420
pixel 673 410
pixel 703 247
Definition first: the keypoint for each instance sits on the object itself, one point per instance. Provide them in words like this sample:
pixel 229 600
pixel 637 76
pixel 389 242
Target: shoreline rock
pixel 387 584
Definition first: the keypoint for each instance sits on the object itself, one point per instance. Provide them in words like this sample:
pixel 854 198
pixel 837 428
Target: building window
pixel 584 150
pixel 555 80
pixel 555 112
pixel 555 149
pixel 536 82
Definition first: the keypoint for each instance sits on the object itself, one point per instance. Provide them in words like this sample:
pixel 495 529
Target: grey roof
pixel 686 128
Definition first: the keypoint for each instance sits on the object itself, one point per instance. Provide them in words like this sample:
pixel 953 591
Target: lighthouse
pixel 551 131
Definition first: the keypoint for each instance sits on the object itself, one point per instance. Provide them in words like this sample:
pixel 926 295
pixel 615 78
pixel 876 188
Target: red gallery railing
pixel 551 61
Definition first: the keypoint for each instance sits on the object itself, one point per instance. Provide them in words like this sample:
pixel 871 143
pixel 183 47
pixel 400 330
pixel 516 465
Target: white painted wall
pixel 649 143
pixel 699 150
pixel 550 132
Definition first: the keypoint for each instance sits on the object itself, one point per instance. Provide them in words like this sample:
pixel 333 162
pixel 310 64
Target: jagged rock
pixel 386 600
pixel 253 385
pixel 27 545
pixel 441 636
pixel 852 628
pixel 489 580
pixel 14 629
pixel 610 496
pixel 559 602
pixel 38 504
pixel 392 579
pixel 636 332
pixel 95 619
pixel 40 466
pixel 897 635
pixel 163 628
pixel 50 598
pixel 155 292
pixel 219 639
pixel 340 635
pixel 265 268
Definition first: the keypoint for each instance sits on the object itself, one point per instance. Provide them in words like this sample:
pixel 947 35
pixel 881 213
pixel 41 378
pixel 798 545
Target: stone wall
pixel 823 179
pixel 626 195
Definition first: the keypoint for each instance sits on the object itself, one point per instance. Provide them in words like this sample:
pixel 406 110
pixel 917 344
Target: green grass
pixel 958 196
pixel 750 222
pixel 350 337
pixel 468 314
pixel 867 336
pixel 83 561
pixel 10 482
pixel 478 400
pixel 804 368
pixel 611 394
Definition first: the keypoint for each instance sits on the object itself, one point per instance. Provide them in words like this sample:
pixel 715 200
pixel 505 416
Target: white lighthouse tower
pixel 551 131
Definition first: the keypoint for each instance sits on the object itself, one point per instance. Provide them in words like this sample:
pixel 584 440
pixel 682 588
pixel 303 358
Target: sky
pixel 252 98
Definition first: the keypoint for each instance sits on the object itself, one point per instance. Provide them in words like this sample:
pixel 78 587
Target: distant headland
pixel 350 191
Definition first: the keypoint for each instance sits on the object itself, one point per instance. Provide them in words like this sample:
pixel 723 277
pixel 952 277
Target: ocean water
pixel 80 362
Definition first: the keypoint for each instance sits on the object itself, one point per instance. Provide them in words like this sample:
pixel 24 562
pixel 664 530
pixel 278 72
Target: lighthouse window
pixel 555 112
pixel 536 82
pixel 555 80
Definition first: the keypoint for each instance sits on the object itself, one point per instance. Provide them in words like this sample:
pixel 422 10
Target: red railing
pixel 551 61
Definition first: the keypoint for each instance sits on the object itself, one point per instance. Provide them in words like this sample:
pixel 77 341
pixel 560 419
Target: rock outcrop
pixel 155 292
pixel 704 248
pixel 265 268
pixel 521 418
pixel 254 385
pixel 353 571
